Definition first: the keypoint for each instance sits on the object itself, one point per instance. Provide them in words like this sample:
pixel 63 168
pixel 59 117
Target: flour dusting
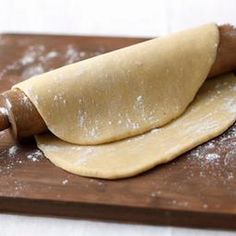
pixel 212 157
pixel 37 59
pixel 65 181
pixel 217 157
pixel 71 54
pixel 230 105
pixel 35 156
pixel 85 155
pixel 12 151
pixel 139 98
pixel 32 71
pixel 4 111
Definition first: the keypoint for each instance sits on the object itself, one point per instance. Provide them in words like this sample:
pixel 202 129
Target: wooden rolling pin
pixel 17 111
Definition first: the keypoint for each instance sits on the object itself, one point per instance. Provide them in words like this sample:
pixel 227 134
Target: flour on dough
pixel 210 114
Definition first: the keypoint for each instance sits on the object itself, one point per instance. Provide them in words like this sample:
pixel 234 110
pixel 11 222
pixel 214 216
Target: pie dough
pixel 125 92
pixel 211 113
pixel 115 96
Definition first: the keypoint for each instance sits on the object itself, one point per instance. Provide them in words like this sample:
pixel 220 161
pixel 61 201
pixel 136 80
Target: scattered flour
pixel 12 151
pixel 85 155
pixel 32 71
pixel 50 55
pixel 71 54
pixel 65 181
pixel 139 98
pixel 3 110
pixel 212 157
pixel 36 59
pixel 214 162
pixel 230 105
pixel 35 156
pixel 217 157
pixel 27 59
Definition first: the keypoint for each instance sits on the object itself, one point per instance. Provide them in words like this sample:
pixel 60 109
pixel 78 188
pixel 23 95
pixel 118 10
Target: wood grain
pixel 191 191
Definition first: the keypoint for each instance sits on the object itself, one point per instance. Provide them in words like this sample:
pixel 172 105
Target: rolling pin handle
pixel 22 115
pixel 4 122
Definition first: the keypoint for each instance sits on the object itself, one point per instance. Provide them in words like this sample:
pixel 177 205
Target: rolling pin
pixel 17 111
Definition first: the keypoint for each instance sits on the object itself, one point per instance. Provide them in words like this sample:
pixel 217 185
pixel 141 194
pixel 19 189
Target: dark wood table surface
pixel 197 189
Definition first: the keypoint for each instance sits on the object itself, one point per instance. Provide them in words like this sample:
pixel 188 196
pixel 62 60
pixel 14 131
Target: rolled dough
pixel 125 92
pixel 210 114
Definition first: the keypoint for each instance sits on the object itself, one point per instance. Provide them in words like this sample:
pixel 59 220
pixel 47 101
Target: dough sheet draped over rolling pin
pixel 125 92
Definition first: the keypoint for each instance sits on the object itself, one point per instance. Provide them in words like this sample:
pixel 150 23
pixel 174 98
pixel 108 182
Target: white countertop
pixel 105 17
pixel 11 225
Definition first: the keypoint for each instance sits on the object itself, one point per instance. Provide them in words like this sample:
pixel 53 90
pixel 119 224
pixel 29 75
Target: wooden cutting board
pixel 198 189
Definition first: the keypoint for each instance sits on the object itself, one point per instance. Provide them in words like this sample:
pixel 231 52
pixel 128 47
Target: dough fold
pixel 210 114
pixel 125 92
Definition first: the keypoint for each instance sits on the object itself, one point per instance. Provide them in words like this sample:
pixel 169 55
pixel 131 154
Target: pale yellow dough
pixel 125 92
pixel 211 113
pixel 128 92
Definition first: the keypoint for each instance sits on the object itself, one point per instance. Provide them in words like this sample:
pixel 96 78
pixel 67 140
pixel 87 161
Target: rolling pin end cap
pixel 4 122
